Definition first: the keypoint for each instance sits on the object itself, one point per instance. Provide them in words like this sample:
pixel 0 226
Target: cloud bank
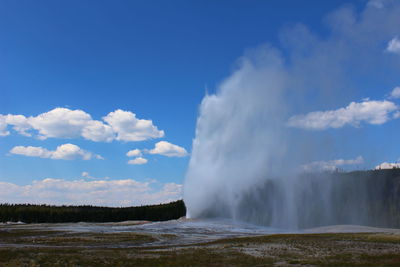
pixel 118 125
pixel 65 152
pixel 115 193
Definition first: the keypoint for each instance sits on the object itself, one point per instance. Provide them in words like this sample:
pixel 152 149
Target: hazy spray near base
pixel 245 158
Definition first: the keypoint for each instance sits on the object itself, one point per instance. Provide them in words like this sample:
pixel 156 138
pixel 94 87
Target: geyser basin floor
pixel 194 243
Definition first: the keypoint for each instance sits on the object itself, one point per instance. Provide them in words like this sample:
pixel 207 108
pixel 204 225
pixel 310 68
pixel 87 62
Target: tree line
pixel 29 213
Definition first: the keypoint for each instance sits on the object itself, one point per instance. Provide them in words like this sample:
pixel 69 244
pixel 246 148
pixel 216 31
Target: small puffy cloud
pixel 66 123
pixel 65 152
pixel 137 161
pixel 395 92
pixel 394 46
pixel 130 128
pixel 167 149
pixel 371 112
pixel 124 192
pixel 71 151
pixel 386 165
pixel 331 165
pixel 134 153
pixel 88 176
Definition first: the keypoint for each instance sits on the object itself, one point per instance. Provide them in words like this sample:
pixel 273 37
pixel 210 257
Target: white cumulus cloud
pixel 124 192
pixel 20 124
pixel 167 149
pixel 394 46
pixel 331 165
pixel 372 112
pixel 66 123
pixel 31 151
pixel 65 152
pixel 130 128
pixel 134 153
pixel 137 161
pixel 60 123
pixel 97 131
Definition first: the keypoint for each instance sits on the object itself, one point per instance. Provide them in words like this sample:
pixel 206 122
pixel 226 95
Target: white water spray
pixel 244 157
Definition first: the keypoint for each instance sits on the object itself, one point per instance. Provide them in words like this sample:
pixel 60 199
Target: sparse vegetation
pixel 47 248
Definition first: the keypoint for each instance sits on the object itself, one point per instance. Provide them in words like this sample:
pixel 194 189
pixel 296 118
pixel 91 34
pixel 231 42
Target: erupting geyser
pixel 239 137
pixel 245 160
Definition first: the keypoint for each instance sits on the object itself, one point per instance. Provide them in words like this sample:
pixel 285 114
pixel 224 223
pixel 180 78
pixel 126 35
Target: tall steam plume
pixel 245 154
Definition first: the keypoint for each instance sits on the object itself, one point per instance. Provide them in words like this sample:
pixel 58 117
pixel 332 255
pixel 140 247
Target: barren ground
pixel 47 245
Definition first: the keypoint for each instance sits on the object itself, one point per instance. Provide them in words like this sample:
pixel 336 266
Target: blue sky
pixel 154 59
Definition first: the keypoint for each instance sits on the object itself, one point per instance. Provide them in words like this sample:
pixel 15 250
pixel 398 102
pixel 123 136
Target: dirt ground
pixel 43 246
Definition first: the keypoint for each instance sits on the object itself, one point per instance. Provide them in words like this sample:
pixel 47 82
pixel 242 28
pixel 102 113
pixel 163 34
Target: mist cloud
pixel 242 136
